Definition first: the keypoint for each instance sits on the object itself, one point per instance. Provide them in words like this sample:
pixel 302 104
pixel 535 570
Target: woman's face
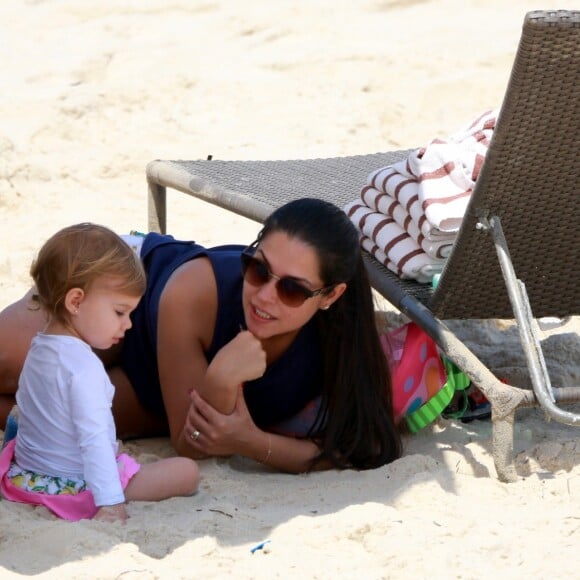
pixel 267 316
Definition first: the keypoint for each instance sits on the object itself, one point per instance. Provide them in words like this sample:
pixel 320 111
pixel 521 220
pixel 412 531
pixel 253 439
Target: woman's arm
pixel 237 433
pixel 186 322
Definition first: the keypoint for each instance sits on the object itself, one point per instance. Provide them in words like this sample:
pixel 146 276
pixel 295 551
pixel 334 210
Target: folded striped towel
pixel 434 183
pixel 423 274
pixel 435 246
pixel 409 212
pixel 383 237
pixel 446 171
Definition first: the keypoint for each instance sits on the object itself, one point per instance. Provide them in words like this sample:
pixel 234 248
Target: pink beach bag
pixel 423 384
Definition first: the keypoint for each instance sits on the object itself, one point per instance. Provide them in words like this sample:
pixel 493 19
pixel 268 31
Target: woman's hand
pixel 242 359
pixel 219 434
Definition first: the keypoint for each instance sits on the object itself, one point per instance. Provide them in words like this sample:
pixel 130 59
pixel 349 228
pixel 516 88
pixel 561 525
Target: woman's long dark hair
pixel 355 427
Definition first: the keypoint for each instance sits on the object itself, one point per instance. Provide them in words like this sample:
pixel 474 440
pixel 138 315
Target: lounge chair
pixel 526 197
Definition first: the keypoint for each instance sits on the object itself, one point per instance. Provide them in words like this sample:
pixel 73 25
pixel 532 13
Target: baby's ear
pixel 73 299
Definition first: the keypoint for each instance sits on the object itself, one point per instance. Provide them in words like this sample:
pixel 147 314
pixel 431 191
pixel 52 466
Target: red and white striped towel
pixel 446 171
pixel 426 196
pixel 382 236
pixel 435 246
pixel 434 183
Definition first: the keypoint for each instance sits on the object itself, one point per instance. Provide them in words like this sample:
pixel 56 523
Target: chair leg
pixel 156 207
pixel 528 337
pixel 503 446
pixel 504 399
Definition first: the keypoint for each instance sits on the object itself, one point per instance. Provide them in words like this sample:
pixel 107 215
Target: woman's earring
pixel 326 307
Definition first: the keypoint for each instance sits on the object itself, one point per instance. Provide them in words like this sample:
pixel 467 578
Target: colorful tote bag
pixel 423 382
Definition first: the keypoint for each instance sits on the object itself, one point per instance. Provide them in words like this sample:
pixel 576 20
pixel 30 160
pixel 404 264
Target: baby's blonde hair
pixel 75 257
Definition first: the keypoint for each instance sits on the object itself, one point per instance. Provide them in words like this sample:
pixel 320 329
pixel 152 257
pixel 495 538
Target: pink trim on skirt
pixel 69 507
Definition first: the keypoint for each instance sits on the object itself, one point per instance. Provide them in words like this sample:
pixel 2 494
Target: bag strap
pixel 428 412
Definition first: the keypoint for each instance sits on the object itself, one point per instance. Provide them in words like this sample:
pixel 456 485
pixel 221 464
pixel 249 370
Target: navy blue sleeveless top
pixel 287 385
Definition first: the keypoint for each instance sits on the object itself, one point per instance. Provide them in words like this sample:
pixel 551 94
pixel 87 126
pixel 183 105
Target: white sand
pixel 92 91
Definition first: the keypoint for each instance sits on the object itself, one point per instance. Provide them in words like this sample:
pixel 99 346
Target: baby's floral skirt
pixel 66 497
pixel 39 483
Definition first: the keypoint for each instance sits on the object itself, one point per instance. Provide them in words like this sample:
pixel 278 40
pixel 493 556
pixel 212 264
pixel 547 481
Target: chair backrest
pixel 530 180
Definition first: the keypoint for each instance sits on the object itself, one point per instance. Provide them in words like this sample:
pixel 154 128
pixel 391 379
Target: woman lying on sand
pixel 270 352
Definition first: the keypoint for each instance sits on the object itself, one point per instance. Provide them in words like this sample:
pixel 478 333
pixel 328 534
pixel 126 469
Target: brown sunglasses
pixel 290 291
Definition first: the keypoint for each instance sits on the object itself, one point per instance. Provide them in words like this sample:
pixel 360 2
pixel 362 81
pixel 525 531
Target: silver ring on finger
pixel 195 435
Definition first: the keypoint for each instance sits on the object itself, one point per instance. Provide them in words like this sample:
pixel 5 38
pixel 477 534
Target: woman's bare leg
pixel 19 323
pixel 131 418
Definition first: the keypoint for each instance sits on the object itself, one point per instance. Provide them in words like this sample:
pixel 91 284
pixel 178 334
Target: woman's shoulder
pixel 210 270
pixel 191 282
pixel 202 296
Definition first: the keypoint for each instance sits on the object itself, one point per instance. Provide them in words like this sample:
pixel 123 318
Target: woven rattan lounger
pixel 527 197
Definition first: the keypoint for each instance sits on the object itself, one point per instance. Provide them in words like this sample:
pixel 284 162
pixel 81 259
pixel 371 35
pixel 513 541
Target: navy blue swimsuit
pixel 287 385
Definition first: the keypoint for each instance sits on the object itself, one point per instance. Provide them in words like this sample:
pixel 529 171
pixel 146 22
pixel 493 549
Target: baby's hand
pixel 112 513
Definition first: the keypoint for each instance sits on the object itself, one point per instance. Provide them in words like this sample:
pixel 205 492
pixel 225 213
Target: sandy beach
pixel 93 91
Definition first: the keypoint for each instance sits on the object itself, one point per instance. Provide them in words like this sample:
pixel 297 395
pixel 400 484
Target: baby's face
pixel 104 314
